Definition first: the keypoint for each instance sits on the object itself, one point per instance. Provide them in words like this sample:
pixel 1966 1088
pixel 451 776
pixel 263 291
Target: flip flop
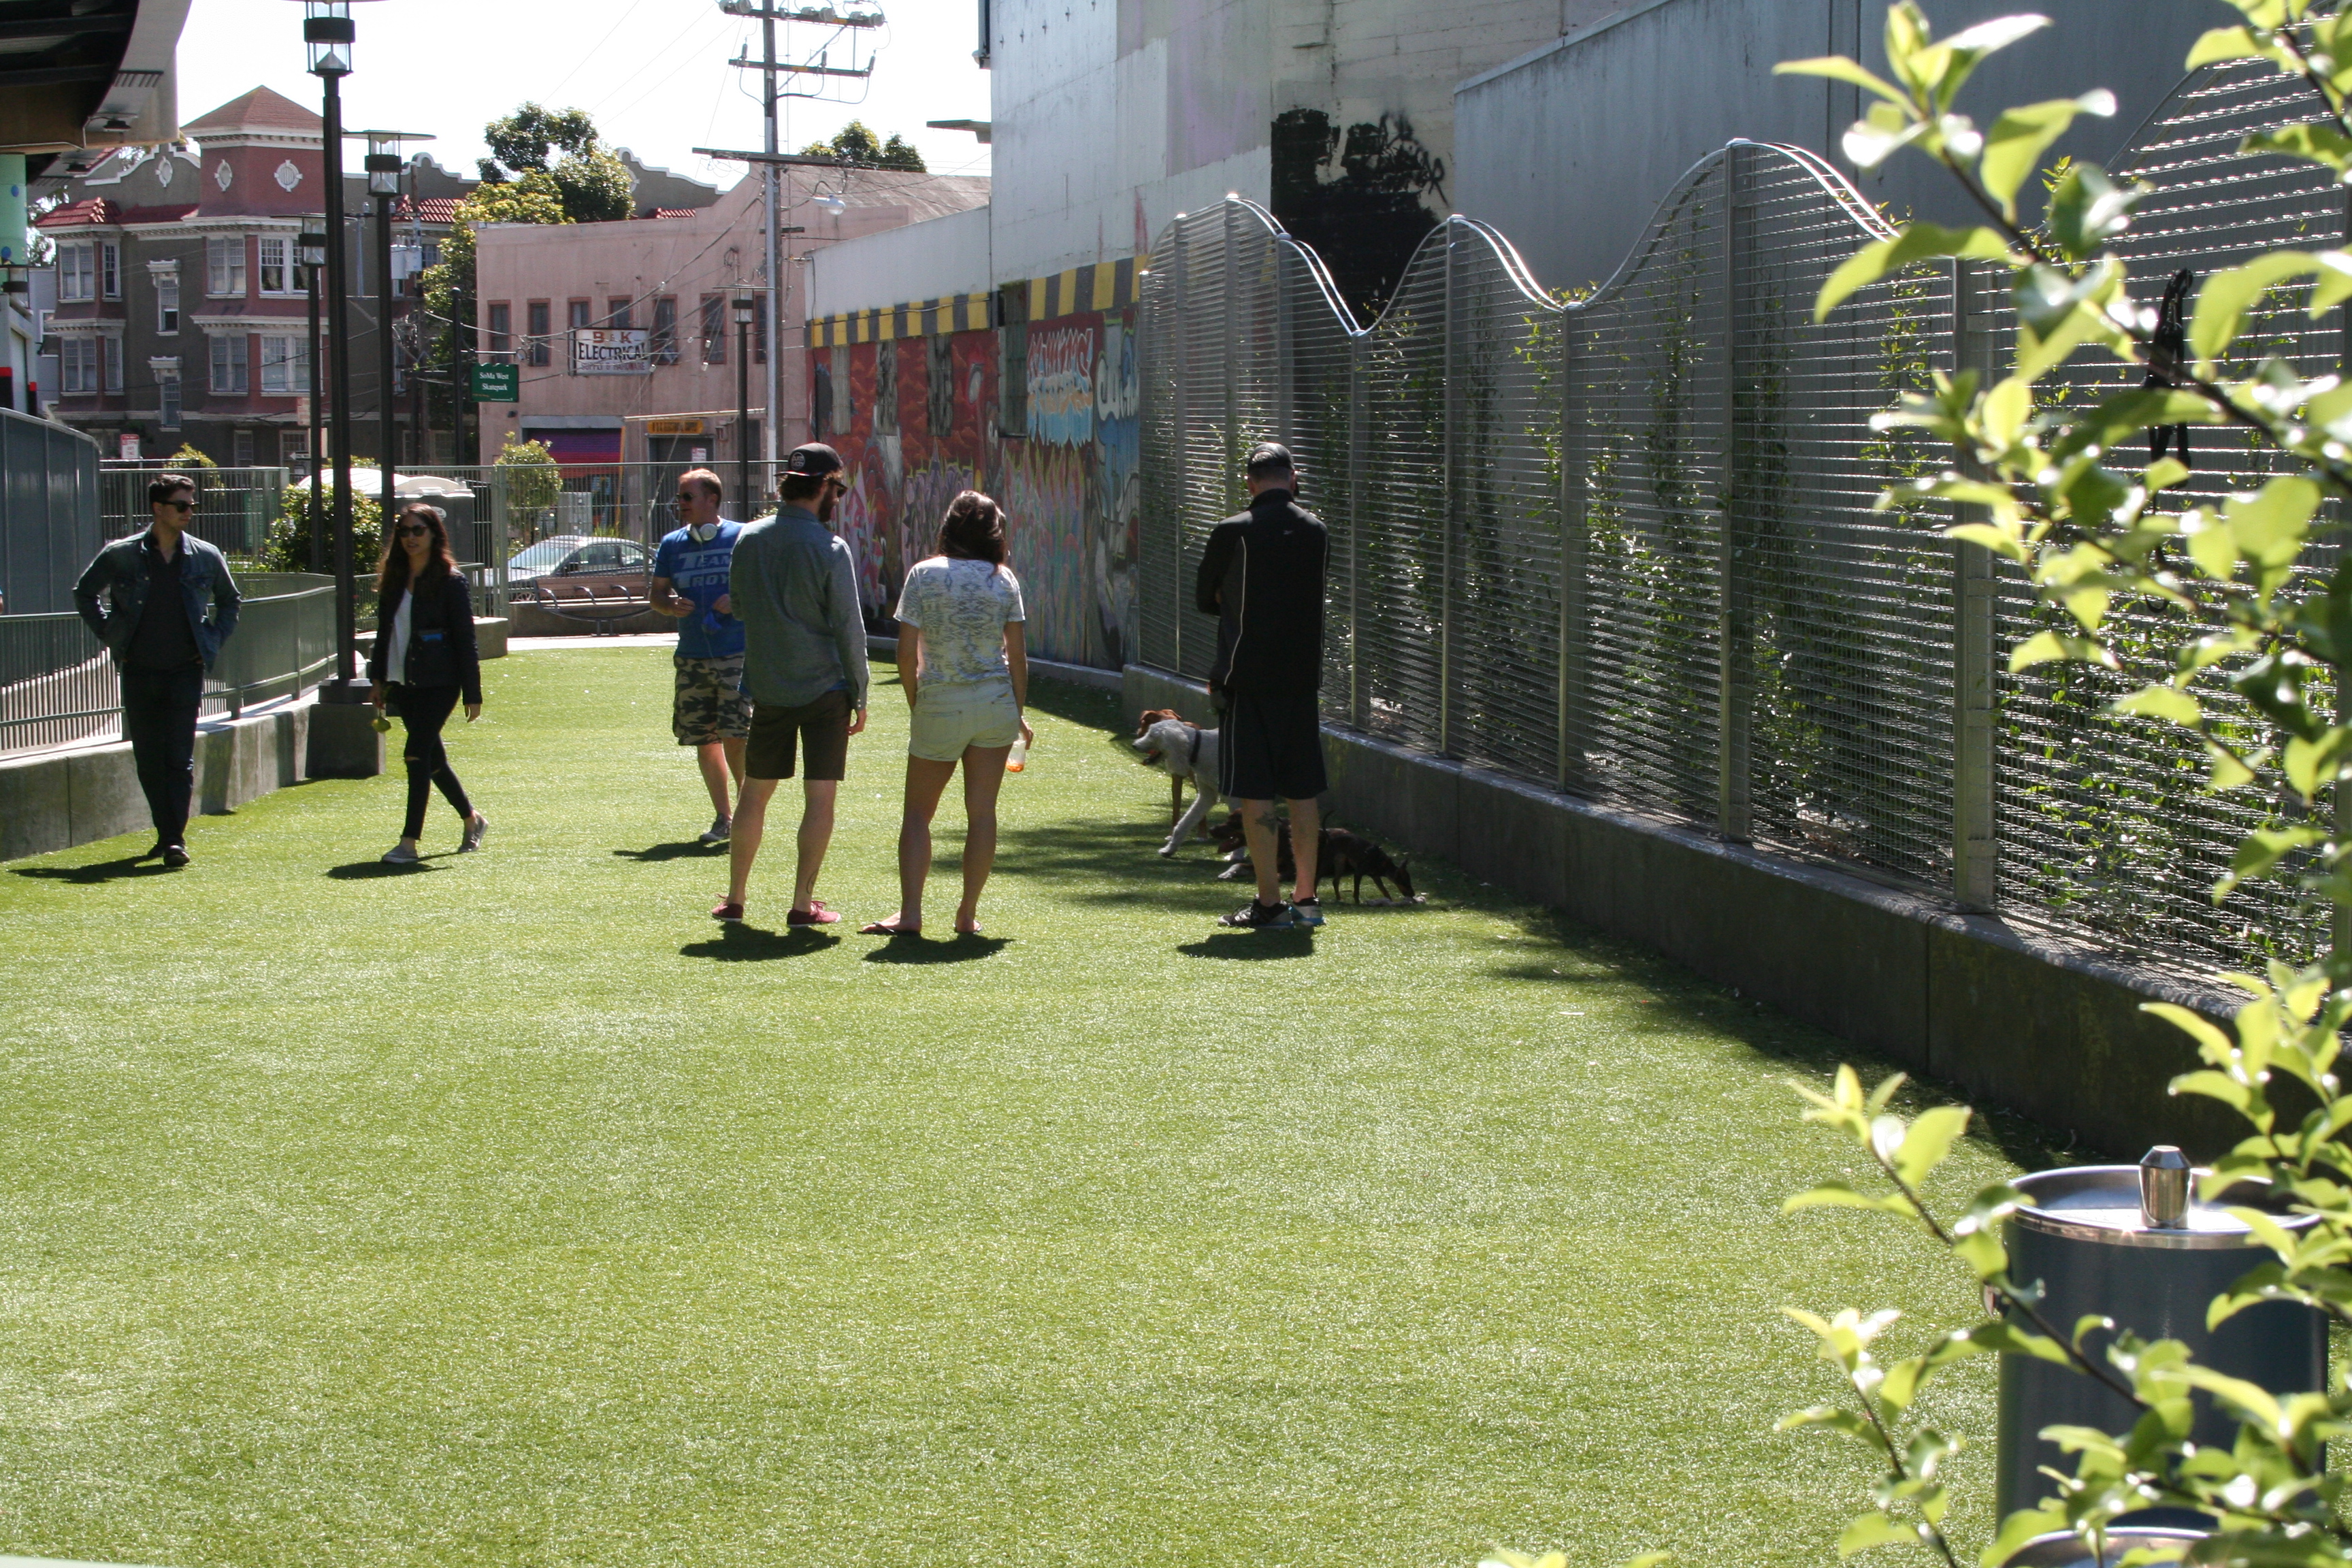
pixel 970 931
pixel 883 927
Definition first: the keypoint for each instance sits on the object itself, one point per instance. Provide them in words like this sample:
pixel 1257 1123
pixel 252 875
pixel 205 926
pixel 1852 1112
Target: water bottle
pixel 1019 757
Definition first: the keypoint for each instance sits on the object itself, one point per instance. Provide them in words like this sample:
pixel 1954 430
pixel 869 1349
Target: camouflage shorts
pixel 706 705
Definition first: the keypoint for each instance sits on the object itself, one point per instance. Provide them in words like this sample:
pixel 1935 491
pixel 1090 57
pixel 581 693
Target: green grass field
pixel 510 1211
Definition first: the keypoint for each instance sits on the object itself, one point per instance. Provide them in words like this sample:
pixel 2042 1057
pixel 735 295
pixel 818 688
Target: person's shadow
pixel 961 948
pixel 97 871
pixel 738 943
pixel 369 871
pixel 1296 941
pixel 690 849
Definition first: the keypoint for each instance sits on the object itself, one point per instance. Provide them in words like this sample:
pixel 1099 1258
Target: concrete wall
pixel 2006 1016
pixel 1568 148
pixel 922 261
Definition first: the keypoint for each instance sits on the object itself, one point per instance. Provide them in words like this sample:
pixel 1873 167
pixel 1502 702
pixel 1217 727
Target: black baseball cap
pixel 815 459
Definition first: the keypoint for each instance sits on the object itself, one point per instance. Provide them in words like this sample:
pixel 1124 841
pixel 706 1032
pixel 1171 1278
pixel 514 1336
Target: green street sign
pixel 497 384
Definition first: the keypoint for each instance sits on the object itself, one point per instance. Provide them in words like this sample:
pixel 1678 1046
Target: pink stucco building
pixel 669 277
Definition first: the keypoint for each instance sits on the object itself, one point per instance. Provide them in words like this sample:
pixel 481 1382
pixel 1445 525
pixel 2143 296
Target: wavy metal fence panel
pixel 1631 545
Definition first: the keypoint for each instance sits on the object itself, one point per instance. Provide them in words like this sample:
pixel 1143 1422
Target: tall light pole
pixel 745 306
pixel 310 248
pixel 328 34
pixel 383 184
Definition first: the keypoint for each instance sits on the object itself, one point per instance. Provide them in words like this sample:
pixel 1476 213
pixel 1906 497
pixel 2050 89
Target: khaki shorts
pixel 707 703
pixel 949 719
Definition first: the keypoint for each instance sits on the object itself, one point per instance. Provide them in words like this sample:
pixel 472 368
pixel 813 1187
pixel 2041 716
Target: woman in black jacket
pixel 424 659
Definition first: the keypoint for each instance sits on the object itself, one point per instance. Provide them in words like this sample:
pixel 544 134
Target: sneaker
pixel 401 854
pixel 729 913
pixel 1255 916
pixel 476 831
pixel 175 853
pixel 816 914
pixel 720 831
pixel 1309 911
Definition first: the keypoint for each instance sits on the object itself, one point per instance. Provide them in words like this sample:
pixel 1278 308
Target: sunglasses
pixel 179 505
pixel 412 530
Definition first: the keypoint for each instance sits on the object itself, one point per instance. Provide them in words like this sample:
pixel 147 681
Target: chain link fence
pixel 1631 546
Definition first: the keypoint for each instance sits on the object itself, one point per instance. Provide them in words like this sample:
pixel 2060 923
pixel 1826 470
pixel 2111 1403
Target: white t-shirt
pixel 395 653
pixel 963 608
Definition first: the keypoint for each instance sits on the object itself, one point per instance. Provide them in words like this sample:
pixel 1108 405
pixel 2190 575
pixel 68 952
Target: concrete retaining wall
pixel 55 800
pixel 2008 1017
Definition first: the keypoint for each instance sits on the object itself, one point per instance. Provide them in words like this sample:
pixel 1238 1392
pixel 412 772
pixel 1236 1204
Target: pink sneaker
pixel 816 914
pixel 726 912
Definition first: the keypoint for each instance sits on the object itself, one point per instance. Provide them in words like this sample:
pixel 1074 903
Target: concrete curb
pixel 2012 1016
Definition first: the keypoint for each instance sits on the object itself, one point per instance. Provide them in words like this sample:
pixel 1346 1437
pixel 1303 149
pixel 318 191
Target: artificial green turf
pixel 510 1211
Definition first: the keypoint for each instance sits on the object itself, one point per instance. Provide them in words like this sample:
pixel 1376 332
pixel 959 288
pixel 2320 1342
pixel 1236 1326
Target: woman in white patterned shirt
pixel 966 672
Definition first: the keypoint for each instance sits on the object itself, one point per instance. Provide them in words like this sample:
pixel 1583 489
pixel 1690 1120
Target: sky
pixel 652 74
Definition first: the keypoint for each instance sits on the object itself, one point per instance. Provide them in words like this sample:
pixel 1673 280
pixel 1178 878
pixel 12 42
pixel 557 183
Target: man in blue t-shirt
pixel 708 709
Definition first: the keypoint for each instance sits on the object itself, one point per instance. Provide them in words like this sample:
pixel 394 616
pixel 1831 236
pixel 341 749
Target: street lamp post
pixel 744 308
pixel 310 248
pixel 327 32
pixel 383 184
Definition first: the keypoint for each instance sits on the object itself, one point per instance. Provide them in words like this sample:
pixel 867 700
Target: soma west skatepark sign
pixel 612 350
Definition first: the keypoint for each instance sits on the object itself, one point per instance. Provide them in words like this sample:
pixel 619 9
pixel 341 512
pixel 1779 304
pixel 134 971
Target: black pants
pixel 423 711
pixel 159 720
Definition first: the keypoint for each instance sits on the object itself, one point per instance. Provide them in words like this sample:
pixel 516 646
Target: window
pixel 224 267
pixel 294 448
pixel 169 386
pixel 76 272
pixel 277 271
pixel 167 304
pixel 110 349
pixel 665 340
pixel 616 314
pixel 576 316
pixel 240 449
pixel 284 364
pixel 501 339
pixel 714 328
pixel 229 364
pixel 535 323
pixel 77 365
pixel 109 270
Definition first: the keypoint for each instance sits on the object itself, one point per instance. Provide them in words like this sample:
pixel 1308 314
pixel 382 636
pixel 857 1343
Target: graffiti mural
pixel 1045 490
pixel 1119 490
pixel 1061 385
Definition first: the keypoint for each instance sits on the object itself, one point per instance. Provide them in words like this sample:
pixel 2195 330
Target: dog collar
pixel 1192 756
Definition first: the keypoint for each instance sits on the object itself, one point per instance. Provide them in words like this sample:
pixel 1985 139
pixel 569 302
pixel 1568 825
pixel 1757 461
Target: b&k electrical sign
pixel 612 350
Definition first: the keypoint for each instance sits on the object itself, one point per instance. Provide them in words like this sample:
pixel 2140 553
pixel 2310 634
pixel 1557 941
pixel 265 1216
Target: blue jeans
pixel 159 720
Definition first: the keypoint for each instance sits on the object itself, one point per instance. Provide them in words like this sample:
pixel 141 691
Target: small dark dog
pixel 1339 855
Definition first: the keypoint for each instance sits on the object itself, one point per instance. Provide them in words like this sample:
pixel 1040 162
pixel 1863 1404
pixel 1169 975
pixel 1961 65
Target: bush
pixel 288 546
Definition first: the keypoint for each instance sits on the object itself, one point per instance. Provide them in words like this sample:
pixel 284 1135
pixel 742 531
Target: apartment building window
pixel 279 273
pixel 501 334
pixel 535 323
pixel 240 449
pixel 168 387
pixel 616 314
pixel 109 270
pixel 76 272
pixel 77 365
pixel 284 364
pixel 576 315
pixel 224 267
pixel 665 339
pixel 714 328
pixel 167 304
pixel 229 364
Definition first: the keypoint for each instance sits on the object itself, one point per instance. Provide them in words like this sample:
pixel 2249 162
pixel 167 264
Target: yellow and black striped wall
pixel 1098 286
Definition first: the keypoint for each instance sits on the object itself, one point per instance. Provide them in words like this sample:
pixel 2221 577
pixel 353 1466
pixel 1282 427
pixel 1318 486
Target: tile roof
pixel 431 209
pixel 89 209
pixel 259 110
pixel 155 214
pixel 674 212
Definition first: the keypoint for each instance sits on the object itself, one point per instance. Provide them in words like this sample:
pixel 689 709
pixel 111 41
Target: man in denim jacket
pixel 146 598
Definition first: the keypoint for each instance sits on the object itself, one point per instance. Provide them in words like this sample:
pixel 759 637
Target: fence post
pixel 1574 538
pixel 1976 865
pixel 1228 470
pixel 1359 458
pixel 1735 682
pixel 1449 463
pixel 1180 456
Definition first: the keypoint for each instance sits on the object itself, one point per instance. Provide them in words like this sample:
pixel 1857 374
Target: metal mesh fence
pixel 1632 546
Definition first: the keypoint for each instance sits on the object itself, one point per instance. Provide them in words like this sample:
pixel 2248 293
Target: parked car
pixel 573 566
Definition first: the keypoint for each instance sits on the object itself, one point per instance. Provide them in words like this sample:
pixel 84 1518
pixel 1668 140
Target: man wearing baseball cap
pixel 1262 577
pixel 793 587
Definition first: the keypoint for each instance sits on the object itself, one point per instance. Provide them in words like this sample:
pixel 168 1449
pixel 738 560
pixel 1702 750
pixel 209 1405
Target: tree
pixel 855 145
pixel 592 184
pixel 449 283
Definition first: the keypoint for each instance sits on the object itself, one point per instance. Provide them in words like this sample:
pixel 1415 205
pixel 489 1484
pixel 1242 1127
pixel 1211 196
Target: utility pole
pixel 771 265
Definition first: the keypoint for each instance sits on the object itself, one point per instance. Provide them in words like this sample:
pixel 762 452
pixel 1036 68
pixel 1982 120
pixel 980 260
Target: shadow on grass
pixel 740 944
pixel 368 870
pixel 688 849
pixel 97 871
pixel 912 949
pixel 1291 942
pixel 1078 704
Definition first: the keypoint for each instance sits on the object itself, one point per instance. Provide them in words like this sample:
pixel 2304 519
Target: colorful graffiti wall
pixel 920 418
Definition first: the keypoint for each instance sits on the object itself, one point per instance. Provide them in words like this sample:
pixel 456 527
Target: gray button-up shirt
pixel 795 588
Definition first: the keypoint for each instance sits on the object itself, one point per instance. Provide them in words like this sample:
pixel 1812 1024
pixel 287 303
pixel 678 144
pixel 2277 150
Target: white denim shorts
pixel 947 718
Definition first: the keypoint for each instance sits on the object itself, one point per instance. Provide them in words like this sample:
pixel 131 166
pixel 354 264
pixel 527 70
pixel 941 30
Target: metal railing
pixel 1629 546
pixel 235 506
pixel 57 686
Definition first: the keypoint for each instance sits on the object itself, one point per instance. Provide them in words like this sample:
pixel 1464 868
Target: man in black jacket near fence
pixel 1262 577
pixel 162 602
